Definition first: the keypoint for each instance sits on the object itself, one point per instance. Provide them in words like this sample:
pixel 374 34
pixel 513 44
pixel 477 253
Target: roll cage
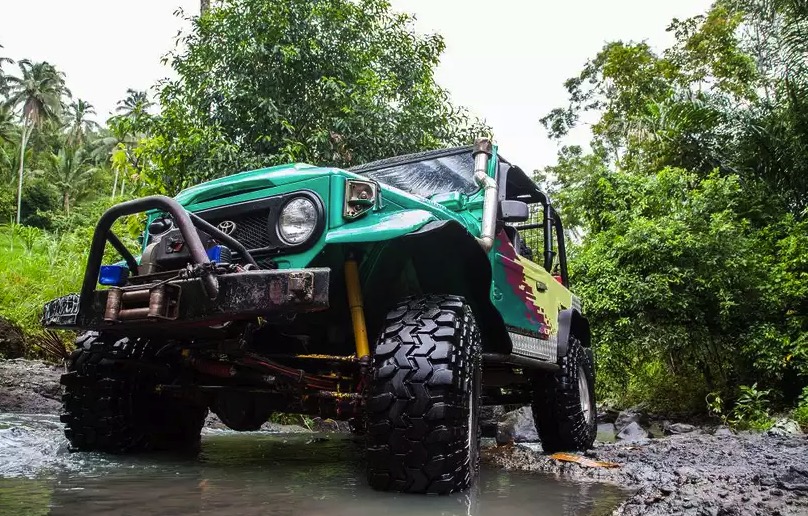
pixel 514 185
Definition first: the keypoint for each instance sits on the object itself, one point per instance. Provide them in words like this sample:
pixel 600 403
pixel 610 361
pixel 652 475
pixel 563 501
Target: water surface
pixel 251 473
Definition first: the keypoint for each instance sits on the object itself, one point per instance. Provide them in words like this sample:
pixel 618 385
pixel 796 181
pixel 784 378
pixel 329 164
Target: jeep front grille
pixel 251 229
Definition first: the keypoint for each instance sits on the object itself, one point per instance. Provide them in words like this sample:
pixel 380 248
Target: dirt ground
pixel 692 474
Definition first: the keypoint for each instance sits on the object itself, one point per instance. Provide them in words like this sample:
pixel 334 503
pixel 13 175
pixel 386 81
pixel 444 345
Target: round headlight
pixel 297 221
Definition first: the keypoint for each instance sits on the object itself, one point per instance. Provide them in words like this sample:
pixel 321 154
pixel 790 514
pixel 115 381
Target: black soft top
pixel 513 179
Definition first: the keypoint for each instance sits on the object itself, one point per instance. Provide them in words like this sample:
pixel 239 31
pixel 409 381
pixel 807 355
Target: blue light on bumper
pixel 219 254
pixel 113 275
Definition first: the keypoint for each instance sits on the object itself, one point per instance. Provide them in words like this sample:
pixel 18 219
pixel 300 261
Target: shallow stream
pixel 251 473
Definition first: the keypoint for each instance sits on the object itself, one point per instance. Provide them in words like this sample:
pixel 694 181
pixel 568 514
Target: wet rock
pixel 607 412
pixel 723 431
pixel 517 427
pixel 693 473
pixel 29 387
pixel 795 479
pixel 328 425
pixel 632 415
pixel 12 343
pixel 213 422
pixel 633 432
pixel 785 426
pixel 677 428
pixel 489 419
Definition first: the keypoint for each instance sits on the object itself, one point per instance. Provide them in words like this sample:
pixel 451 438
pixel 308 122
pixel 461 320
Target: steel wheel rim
pixel 583 395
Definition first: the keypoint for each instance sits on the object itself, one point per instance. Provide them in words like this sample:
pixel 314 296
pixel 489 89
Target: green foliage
pixel 750 412
pixel 692 210
pixel 751 409
pixel 37 266
pixel 800 413
pixel 261 82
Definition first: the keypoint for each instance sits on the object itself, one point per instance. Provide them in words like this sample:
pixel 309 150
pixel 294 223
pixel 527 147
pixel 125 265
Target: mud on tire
pixel 109 402
pixel 423 398
pixel 560 418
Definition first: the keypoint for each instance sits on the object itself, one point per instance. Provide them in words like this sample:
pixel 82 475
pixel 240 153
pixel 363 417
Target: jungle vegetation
pixel 688 211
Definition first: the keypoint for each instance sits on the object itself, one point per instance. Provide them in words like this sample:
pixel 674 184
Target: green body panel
pixel 399 213
pixel 527 297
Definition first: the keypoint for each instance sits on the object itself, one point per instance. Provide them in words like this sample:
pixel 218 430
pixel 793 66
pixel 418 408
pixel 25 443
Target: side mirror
pixel 513 211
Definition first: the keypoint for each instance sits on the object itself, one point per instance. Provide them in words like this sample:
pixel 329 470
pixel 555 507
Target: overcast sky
pixel 107 46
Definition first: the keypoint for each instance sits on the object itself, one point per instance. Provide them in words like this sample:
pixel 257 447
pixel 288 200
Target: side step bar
pixel 520 361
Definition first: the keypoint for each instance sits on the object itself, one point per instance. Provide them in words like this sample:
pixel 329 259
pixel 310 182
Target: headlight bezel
pixel 314 221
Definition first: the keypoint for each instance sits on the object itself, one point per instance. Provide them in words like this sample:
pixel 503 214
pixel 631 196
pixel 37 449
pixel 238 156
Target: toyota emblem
pixel 227 227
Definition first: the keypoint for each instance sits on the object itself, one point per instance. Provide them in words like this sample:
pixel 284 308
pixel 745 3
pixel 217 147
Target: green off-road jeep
pixel 400 295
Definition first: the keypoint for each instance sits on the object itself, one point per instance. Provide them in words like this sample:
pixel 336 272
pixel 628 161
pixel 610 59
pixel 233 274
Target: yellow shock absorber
pixel 357 310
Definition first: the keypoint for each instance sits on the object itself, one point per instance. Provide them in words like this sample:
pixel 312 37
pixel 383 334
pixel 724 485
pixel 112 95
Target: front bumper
pixel 184 302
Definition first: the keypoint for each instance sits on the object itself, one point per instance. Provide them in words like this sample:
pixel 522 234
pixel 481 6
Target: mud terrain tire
pixel 424 398
pixel 558 412
pixel 109 401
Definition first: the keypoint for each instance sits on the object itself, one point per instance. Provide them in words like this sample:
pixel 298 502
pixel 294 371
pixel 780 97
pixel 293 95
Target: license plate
pixel 62 311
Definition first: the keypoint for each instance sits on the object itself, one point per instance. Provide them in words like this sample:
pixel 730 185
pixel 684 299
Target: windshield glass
pixel 429 177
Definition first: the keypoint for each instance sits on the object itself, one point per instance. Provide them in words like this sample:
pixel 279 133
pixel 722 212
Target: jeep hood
pixel 250 181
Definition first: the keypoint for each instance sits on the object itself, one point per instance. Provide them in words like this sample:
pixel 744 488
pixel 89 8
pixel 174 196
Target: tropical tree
pixel 3 78
pixel 8 128
pixel 135 105
pixel 264 82
pixel 79 124
pixel 693 205
pixel 70 171
pixel 38 92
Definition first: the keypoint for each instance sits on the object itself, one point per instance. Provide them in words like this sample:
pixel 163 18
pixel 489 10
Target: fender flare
pixel 463 246
pixel 571 321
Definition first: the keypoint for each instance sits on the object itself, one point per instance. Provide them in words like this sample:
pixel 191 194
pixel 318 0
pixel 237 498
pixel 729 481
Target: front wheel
pixel 424 398
pixel 564 402
pixel 110 403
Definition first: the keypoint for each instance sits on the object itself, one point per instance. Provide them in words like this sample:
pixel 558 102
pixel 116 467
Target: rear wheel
pixel 110 403
pixel 564 402
pixel 424 398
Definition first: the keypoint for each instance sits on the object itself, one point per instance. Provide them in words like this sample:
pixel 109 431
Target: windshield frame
pixel 418 157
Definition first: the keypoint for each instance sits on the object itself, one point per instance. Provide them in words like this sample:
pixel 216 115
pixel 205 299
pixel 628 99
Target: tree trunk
pixel 26 133
pixel 204 6
pixel 115 184
pixel 66 203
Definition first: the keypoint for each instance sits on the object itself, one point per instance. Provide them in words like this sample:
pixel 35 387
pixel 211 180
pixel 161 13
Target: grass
pixel 37 267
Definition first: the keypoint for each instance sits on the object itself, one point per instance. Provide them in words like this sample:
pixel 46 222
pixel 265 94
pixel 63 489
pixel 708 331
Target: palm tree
pixel 3 78
pixel 79 123
pixel 135 105
pixel 70 172
pixel 8 129
pixel 8 133
pixel 39 91
pixel 204 6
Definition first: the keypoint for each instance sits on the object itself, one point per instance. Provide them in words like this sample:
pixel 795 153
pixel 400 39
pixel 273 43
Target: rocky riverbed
pixel 697 471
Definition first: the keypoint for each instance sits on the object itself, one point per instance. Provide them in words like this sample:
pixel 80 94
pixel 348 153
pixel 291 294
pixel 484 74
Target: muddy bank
pixel 29 387
pixel 695 474
pixel 32 387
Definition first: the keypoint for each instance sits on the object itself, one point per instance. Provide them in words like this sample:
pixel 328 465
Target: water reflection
pixel 269 474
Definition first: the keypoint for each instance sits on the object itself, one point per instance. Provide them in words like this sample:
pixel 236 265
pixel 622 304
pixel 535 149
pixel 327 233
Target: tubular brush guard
pixel 199 297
